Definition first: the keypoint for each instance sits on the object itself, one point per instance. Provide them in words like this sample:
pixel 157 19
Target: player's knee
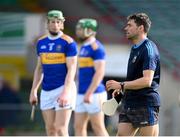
pixel 119 134
pixel 50 130
pixel 97 126
pixel 61 130
pixel 79 126
pixel 122 133
pixel 99 129
pixel 80 129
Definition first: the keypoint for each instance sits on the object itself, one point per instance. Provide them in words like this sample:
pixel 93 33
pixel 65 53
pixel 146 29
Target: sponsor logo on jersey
pixel 53 58
pixel 85 62
pixel 43 47
pixel 83 52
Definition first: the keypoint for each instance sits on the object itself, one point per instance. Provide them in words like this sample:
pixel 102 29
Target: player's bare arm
pixel 71 63
pixel 36 82
pixel 143 82
pixel 99 67
pixel 140 83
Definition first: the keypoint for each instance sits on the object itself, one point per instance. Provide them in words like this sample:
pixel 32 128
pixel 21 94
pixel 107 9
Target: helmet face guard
pixel 88 33
pixel 87 24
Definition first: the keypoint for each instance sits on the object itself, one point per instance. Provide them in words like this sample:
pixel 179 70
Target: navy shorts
pixel 139 117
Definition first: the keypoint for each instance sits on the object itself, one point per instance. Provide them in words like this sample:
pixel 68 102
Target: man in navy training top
pixel 141 99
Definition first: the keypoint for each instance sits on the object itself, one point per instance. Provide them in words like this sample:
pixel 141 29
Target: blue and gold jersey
pixel 53 52
pixel 89 53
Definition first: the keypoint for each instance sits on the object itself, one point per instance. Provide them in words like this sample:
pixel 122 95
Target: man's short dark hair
pixel 141 19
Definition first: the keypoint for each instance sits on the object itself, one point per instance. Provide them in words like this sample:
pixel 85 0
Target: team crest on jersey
pixel 83 52
pixel 134 59
pixel 58 47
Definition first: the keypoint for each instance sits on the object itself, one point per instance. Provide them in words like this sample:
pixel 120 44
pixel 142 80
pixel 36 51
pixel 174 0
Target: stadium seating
pixel 165 28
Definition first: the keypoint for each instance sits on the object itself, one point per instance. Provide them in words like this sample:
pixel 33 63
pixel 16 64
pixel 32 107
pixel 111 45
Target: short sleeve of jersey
pixel 150 58
pixel 99 54
pixel 38 48
pixel 71 49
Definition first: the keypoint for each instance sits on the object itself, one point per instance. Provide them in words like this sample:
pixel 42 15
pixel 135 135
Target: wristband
pixel 122 86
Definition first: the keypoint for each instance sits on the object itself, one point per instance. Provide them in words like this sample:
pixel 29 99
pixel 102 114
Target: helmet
pixel 88 23
pixel 55 14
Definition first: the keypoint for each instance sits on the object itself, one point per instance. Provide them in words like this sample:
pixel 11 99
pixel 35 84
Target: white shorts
pixel 48 99
pixel 92 108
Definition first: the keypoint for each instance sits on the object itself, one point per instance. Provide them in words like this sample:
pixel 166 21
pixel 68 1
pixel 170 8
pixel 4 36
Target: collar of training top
pixel 139 44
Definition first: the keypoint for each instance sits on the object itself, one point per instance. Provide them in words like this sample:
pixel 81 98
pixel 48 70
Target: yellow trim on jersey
pixel 85 62
pixel 42 37
pixel 94 46
pixel 53 58
pixel 67 38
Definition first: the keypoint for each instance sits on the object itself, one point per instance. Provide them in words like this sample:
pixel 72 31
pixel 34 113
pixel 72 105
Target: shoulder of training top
pixel 67 38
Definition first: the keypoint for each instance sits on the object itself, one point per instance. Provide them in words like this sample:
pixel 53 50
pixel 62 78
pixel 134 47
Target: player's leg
pixel 126 129
pixel 49 118
pixel 152 128
pixel 63 114
pixel 48 112
pixel 156 131
pixel 81 117
pixel 97 122
pixel 96 114
pixel 149 130
pixel 62 121
pixel 146 118
pixel 80 124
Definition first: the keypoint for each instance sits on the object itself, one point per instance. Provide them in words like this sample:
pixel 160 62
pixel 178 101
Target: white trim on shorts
pixel 92 108
pixel 48 99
